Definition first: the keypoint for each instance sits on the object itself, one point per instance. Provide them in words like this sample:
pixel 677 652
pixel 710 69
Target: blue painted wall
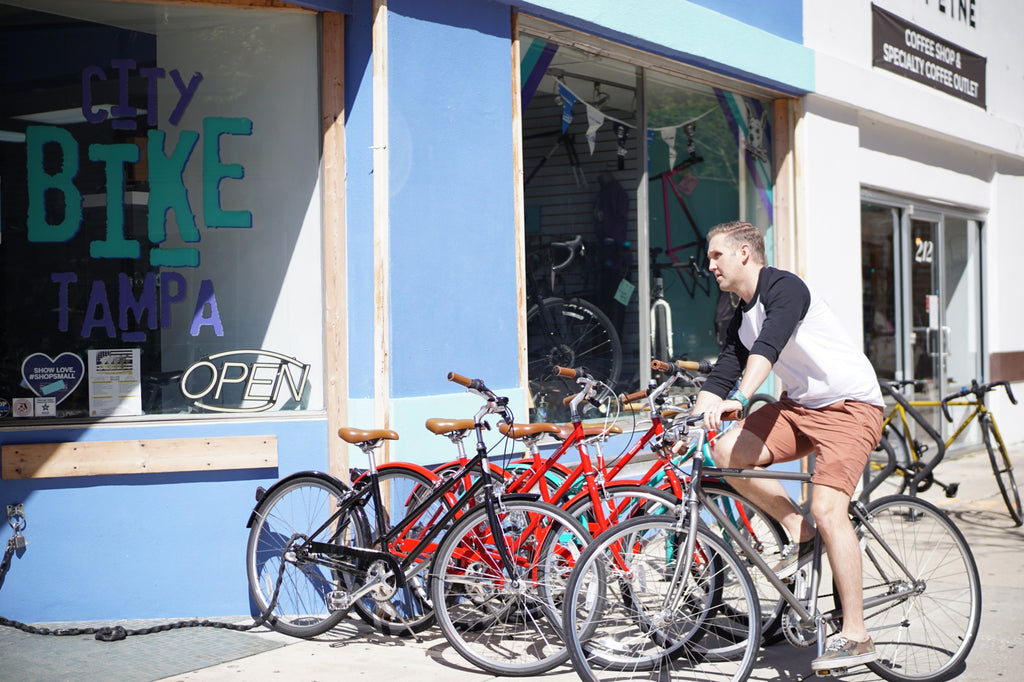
pixel 142 546
pixel 453 284
pixel 359 199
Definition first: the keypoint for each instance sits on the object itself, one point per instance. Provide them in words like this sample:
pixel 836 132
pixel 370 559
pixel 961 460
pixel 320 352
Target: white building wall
pixel 868 128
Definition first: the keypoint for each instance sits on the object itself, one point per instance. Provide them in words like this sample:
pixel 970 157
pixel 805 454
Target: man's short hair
pixel 739 232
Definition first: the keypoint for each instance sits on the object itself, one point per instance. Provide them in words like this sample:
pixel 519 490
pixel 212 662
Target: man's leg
pixel 741 449
pixel 829 508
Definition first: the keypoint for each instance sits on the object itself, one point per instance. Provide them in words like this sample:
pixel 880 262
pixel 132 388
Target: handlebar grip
pixel 459 379
pixel 659 366
pixel 1009 391
pixel 733 416
pixel 567 372
pixel 633 397
pixel 945 408
pixel 704 366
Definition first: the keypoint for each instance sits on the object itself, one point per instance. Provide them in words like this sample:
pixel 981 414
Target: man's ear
pixel 745 253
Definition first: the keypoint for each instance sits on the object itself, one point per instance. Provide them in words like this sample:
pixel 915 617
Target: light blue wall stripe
pixel 692 34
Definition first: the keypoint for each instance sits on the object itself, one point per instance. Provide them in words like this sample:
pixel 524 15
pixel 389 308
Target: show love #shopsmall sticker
pixel 53 377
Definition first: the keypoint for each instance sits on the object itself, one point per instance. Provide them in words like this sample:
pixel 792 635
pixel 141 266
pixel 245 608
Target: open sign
pixel 244 381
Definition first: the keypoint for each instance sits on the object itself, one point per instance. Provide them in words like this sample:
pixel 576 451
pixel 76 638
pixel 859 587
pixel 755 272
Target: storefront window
pixel 632 167
pixel 159 220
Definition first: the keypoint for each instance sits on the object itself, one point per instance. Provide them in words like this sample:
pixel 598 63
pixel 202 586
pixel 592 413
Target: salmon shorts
pixel 842 434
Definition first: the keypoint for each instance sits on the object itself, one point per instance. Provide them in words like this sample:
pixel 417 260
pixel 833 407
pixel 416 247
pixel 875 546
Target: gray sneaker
pixel 844 653
pixel 792 557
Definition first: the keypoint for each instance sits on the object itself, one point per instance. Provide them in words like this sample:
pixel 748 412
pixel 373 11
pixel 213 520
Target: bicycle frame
pixel 807 612
pixel 404 562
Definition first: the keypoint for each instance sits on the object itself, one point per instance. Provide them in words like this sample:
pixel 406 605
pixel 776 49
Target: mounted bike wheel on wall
pixel 568 333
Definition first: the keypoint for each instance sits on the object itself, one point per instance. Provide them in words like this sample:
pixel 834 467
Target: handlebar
pixel 978 390
pixel 571 245
pixel 476 385
pixel 495 404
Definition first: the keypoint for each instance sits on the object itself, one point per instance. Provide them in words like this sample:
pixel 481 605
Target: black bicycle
pixel 497 563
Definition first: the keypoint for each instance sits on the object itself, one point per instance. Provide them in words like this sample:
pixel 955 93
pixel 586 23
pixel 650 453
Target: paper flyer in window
pixel 115 386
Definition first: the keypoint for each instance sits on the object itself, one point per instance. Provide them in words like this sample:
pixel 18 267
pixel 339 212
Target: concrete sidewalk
pixel 354 651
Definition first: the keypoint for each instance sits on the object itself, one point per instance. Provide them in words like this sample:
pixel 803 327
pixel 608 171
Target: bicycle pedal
pixel 830 672
pixel 952 489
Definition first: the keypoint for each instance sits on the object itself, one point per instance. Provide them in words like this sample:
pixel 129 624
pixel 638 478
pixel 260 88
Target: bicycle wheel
pixel 506 620
pixel 765 535
pixel 926 635
pixel 1002 468
pixel 407 610
pixel 292 512
pixel 628 616
pixel 569 333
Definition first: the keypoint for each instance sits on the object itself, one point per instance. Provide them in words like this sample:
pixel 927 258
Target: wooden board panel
pixel 104 458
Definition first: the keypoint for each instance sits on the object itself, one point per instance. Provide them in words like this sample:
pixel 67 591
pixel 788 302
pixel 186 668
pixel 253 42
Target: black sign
pixel 917 54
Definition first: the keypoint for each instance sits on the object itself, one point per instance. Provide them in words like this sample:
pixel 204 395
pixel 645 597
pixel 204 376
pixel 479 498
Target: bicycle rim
pixel 290 512
pixel 626 617
pixel 408 609
pixel 765 535
pixel 506 620
pixel 1003 470
pixel 927 635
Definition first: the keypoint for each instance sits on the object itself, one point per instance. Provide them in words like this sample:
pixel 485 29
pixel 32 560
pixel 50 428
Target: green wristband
pixel 738 396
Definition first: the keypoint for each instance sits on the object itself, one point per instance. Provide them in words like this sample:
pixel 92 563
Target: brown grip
pixel 659 366
pixel 688 365
pixel 567 372
pixel 633 397
pixel 459 379
pixel 568 399
pixel 733 416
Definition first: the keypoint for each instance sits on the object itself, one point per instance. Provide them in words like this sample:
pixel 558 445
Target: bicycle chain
pixel 116 633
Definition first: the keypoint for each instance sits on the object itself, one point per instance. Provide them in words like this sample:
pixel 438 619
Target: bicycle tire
pixel 402 489
pixel 502 626
pixel 581 335
pixel 926 636
pixel 297 508
pixel 765 534
pixel 619 627
pixel 1002 468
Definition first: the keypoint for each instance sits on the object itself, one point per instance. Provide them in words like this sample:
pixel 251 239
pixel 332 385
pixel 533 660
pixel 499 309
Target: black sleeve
pixel 786 300
pixel 731 360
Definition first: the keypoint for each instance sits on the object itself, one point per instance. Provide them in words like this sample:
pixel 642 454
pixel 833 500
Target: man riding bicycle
pixel 831 405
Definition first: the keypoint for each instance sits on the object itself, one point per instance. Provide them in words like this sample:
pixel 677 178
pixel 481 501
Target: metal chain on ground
pixel 116 633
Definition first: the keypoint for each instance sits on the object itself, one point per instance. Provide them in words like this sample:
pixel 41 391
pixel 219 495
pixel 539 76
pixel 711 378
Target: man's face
pixel 725 262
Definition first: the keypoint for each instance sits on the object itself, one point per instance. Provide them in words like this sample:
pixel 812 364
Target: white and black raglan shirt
pixel 797 332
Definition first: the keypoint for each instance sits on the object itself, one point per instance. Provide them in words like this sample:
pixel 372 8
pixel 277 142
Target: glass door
pixel 921 274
